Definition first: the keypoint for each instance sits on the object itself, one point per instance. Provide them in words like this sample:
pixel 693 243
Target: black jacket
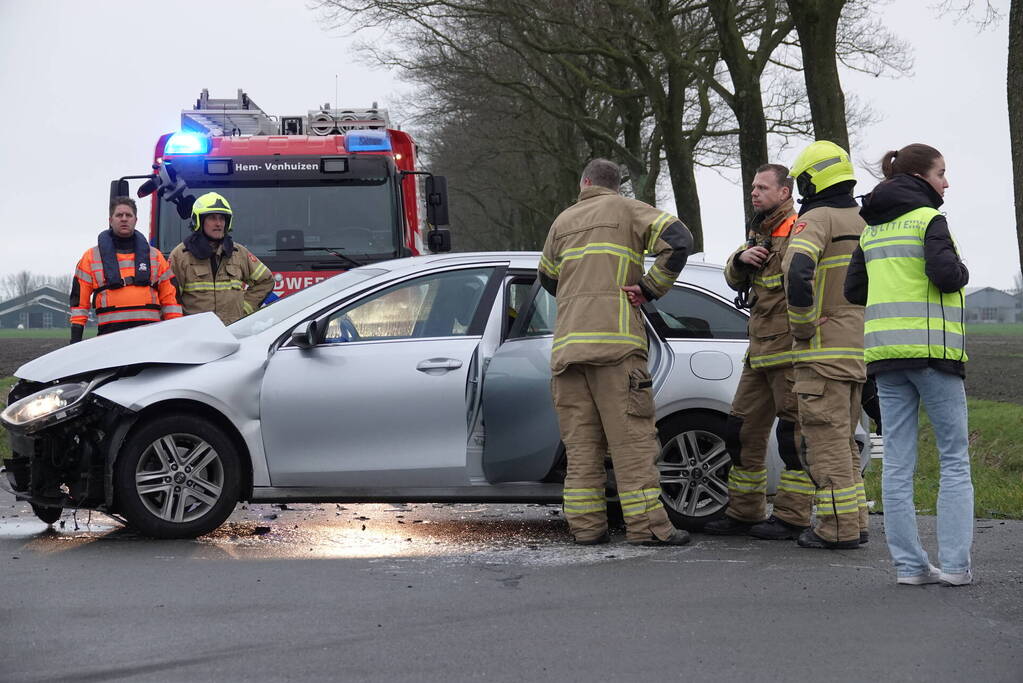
pixel 890 199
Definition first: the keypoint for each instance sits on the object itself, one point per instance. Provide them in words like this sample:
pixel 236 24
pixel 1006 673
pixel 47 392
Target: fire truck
pixel 312 194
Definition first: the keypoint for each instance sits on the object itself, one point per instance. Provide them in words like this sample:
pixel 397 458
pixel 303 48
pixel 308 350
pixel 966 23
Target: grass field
pixel 49 333
pixel 994 329
pixel 996 456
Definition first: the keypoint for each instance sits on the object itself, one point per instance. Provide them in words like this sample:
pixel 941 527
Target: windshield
pixel 289 226
pixel 268 316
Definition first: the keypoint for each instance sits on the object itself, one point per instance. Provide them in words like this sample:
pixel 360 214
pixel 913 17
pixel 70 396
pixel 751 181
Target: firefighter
pixel 126 280
pixel 593 263
pixel 828 343
pixel 765 387
pixel 216 274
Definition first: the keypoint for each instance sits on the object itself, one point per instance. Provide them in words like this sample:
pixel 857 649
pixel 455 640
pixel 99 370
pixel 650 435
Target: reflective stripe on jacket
pixel 594 248
pixel 770 344
pixel 907 316
pixel 131 304
pixel 238 287
pixel 815 264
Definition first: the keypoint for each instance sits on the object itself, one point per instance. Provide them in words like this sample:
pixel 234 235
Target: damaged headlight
pixel 45 408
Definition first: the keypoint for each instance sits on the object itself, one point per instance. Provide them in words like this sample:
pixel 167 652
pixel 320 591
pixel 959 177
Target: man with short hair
pixel 593 263
pixel 765 388
pixel 217 274
pixel 126 280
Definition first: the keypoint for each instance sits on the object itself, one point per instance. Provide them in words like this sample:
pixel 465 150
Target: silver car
pixel 419 379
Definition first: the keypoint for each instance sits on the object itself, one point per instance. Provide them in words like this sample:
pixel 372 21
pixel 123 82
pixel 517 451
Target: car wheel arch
pixel 185 407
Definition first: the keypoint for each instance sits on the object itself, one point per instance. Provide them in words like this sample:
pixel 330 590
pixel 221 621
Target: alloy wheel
pixel 693 467
pixel 179 478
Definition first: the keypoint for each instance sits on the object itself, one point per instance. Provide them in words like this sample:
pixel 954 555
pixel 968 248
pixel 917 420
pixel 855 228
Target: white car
pixel 418 379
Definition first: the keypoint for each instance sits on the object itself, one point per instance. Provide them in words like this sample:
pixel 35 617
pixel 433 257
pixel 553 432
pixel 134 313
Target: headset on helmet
pixel 211 203
pixel 821 165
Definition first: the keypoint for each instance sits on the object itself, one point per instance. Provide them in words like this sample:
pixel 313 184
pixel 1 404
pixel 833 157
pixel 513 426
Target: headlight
pixel 46 407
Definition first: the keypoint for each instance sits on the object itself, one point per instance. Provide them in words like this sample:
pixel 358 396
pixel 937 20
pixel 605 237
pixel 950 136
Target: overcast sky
pixel 88 86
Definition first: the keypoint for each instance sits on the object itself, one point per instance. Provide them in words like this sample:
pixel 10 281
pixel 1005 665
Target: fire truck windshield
pixel 295 226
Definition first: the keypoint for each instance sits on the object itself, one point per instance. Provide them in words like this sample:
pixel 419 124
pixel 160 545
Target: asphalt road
pixel 473 592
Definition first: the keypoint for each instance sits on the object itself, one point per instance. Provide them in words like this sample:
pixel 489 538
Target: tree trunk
pixel 817 24
pixel 747 102
pixel 682 171
pixel 1014 84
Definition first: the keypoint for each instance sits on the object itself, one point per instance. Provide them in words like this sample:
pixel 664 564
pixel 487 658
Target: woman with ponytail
pixel 908 273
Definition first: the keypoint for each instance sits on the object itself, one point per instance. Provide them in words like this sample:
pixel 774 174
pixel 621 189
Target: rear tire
pixel 693 467
pixel 177 476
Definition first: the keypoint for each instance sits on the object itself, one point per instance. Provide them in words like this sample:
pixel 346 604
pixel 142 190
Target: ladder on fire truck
pixel 241 116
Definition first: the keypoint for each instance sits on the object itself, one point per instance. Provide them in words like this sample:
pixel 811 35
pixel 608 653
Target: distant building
pixel 42 308
pixel 990 305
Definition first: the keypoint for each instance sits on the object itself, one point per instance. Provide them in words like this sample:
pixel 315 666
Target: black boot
pixel 775 529
pixel 808 539
pixel 726 526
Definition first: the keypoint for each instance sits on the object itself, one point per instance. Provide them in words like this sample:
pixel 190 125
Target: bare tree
pixel 983 15
pixel 60 282
pixel 816 23
pixel 18 284
pixel 1014 87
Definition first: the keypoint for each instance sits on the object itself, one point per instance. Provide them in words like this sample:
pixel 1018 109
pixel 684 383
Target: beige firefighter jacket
pixel 833 348
pixel 770 344
pixel 235 290
pixel 593 249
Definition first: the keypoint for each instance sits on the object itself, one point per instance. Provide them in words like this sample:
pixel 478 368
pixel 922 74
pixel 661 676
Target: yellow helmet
pixel 821 165
pixel 211 203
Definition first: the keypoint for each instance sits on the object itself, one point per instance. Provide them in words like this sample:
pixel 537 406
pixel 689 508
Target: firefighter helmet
pixel 821 165
pixel 208 204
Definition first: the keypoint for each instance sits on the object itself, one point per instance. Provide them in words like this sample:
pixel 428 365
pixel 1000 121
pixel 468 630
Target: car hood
pixel 191 340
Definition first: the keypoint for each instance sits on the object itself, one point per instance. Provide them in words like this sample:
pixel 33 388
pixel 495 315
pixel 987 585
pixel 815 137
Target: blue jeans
pixel 944 399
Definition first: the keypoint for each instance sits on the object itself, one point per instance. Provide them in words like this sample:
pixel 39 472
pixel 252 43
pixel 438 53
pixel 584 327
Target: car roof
pixel 706 275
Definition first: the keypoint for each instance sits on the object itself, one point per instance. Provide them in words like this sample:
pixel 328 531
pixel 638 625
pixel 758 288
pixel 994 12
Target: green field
pixel 996 457
pixel 994 329
pixel 43 333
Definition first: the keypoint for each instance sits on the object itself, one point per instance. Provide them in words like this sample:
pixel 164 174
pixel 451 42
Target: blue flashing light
pixel 368 141
pixel 187 143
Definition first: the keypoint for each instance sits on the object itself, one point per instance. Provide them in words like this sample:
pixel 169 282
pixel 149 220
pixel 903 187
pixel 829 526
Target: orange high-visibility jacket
pixel 125 306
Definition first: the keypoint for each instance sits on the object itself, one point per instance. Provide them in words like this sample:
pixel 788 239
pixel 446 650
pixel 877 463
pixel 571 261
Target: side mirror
pixel 118 188
pixel 437 200
pixel 438 240
pixel 305 335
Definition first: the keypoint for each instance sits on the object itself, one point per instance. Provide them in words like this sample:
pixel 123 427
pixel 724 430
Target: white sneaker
pixel 961 579
pixel 932 576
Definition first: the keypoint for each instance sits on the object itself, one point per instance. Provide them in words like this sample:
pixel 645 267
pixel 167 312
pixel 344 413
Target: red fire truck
pixel 312 194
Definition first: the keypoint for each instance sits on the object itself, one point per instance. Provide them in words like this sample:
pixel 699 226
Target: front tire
pixel 49 515
pixel 177 477
pixel 693 467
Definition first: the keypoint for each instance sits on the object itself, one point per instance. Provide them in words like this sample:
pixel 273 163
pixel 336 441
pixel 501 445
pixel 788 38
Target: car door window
pixel 685 313
pixel 540 316
pixel 517 295
pixel 437 305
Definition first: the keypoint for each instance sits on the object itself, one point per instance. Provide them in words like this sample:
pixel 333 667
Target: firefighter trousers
pixel 828 413
pixel 604 408
pixel 764 394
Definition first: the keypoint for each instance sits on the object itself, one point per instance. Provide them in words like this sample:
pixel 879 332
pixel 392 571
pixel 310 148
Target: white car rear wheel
pixel 693 467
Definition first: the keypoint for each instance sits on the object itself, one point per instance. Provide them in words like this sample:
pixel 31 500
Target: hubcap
pixel 179 477
pixel 694 473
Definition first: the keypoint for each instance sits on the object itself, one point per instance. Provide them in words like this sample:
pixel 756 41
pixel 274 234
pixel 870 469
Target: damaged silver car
pixel 420 379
